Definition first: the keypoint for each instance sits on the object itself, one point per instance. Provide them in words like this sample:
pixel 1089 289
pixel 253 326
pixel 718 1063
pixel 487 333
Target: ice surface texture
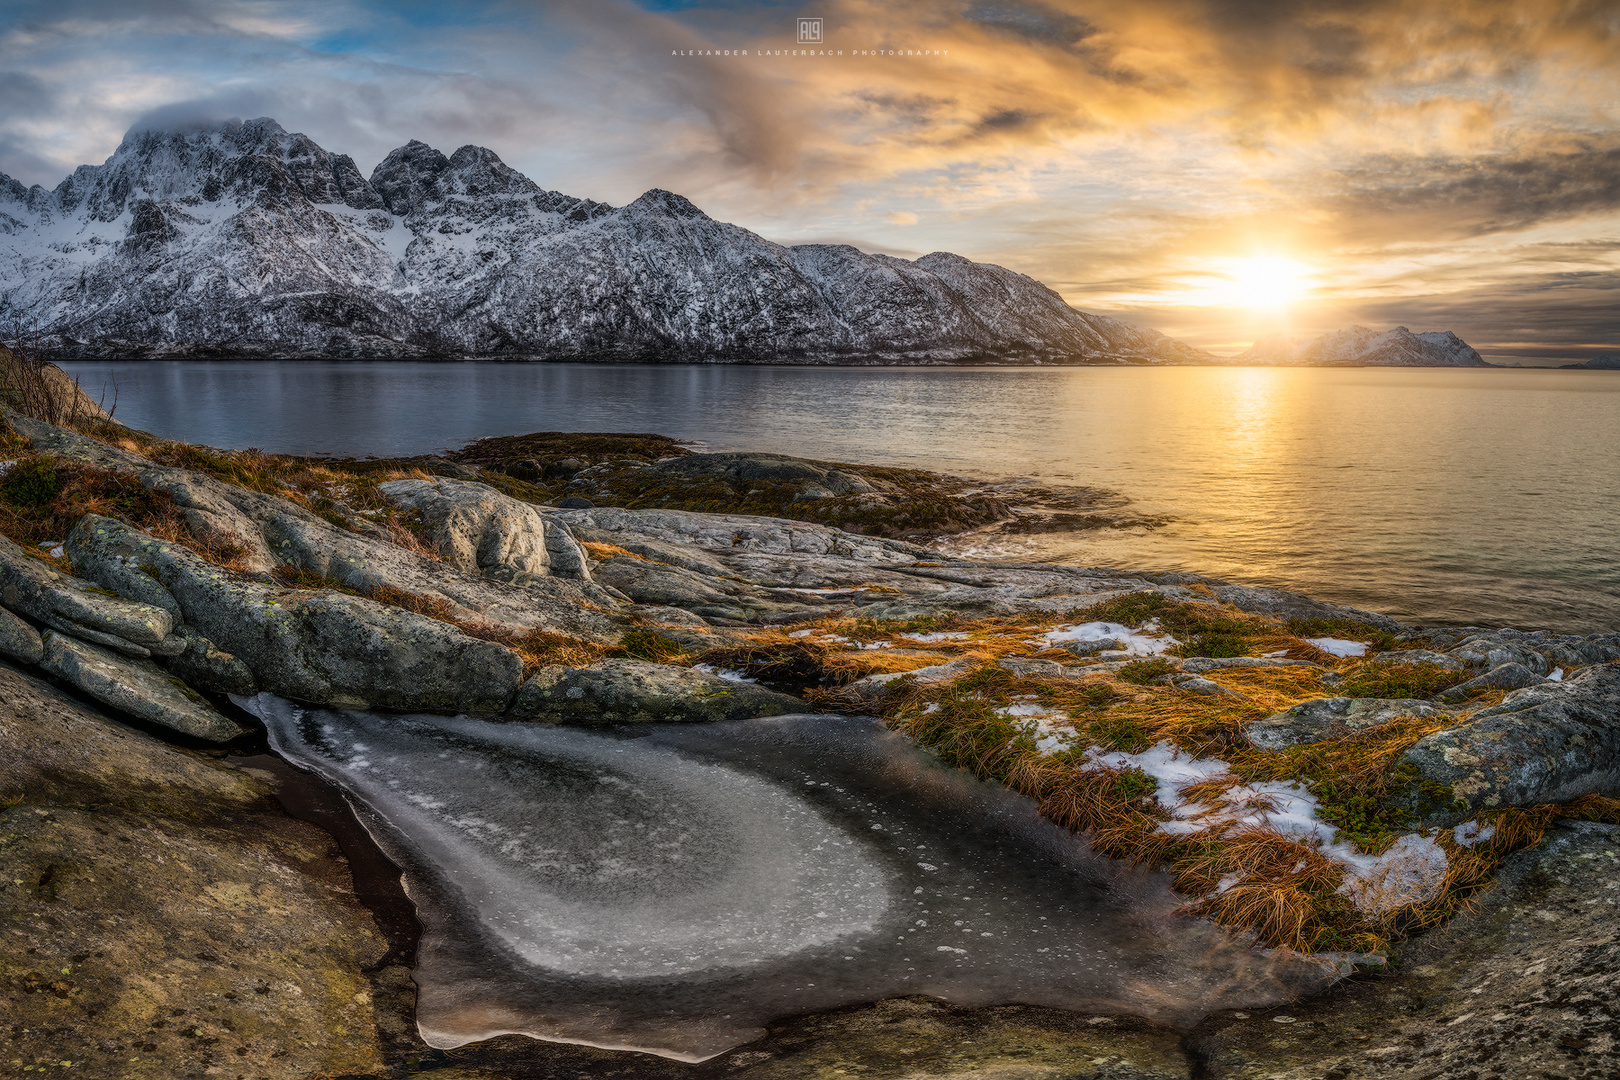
pixel 670 888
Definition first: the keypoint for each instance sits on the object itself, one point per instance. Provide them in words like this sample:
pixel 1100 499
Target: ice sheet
pixel 671 888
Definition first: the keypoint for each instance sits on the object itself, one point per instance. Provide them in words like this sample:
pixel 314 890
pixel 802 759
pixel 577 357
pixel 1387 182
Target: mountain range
pixel 242 239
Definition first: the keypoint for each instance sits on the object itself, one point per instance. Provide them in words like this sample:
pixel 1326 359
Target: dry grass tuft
pixel 35 387
pixel 604 552
pixel 538 648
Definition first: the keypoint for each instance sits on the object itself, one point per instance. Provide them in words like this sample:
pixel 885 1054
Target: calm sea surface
pixel 1457 496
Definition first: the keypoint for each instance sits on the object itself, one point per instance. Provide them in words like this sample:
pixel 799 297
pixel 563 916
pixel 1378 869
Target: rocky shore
pixel 1322 778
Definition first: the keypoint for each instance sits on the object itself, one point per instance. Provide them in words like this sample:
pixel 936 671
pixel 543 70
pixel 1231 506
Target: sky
pixel 1220 170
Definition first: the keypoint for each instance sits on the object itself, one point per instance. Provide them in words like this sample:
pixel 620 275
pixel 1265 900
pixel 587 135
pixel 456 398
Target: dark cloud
pixel 1433 197
pixel 210 112
pixel 1032 22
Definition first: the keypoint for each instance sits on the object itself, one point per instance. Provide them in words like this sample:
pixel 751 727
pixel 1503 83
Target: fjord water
pixel 673 887
pixel 1434 495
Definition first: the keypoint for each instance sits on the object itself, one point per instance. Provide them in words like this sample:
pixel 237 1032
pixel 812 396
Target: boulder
pixel 18 640
pixel 1195 684
pixel 1547 743
pixel 137 687
pixel 31 587
pixel 207 667
pixel 317 646
pixel 1092 648
pixel 1510 676
pixel 1492 651
pixel 482 531
pixel 1327 718
pixel 637 691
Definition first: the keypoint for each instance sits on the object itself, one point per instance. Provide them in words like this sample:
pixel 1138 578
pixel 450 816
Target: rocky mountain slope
pixel 1359 346
pixel 244 239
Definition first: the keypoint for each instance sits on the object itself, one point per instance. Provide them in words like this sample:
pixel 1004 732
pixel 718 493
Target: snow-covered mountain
pixel 243 239
pixel 1360 346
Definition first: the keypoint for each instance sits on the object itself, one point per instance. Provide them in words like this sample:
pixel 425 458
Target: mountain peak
pixel 659 201
pixel 409 176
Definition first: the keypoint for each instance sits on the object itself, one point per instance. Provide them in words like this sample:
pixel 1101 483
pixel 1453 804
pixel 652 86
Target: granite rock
pixel 1327 718
pixel 637 691
pixel 1545 743
pixel 482 531
pixel 137 687
pixel 318 646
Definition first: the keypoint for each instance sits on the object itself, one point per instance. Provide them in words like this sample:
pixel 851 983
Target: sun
pixel 1266 282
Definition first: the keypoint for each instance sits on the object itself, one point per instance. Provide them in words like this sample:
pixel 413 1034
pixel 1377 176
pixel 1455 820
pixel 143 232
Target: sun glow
pixel 1266 282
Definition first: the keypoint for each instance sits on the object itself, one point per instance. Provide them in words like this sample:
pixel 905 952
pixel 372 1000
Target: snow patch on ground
pixel 1338 646
pixel 1048 726
pixel 1145 640
pixel 1412 870
pixel 1470 833
pixel 724 673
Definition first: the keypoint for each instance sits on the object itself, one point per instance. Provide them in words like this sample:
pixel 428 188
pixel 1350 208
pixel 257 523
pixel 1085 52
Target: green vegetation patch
pixel 591 447
pixel 1202 629
pixel 1344 629
pixel 32 483
pixel 648 645
pixel 1379 680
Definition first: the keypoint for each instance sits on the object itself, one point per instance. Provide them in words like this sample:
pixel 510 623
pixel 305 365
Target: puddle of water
pixel 672 888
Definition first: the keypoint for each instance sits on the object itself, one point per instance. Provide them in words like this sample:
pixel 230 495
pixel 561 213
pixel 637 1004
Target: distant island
pixel 1360 346
pixel 1609 362
pixel 241 240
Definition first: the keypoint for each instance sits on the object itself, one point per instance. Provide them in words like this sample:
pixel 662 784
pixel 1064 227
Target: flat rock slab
pixel 1197 665
pixel 1422 656
pixel 923 676
pixel 1328 718
pixel 1545 743
pixel 1539 650
pixel 636 691
pixel 137 687
pixel 163 919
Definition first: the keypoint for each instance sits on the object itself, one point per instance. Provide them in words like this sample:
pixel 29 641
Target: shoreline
pixel 63 356
pixel 1008 671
